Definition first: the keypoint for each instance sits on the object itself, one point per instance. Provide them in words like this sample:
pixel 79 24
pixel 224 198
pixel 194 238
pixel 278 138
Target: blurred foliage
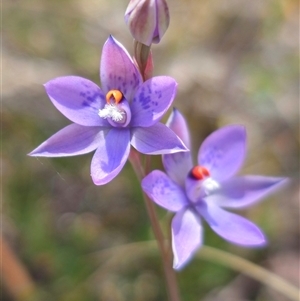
pixel 235 62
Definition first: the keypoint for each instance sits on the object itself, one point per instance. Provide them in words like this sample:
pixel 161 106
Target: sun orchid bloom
pixel 201 191
pixel 148 20
pixel 125 111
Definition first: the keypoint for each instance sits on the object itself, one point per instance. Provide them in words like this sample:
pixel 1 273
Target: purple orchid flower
pixel 202 191
pixel 124 112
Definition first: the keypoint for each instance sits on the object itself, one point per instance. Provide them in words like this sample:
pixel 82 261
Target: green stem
pixel 170 275
pixel 250 269
pixel 217 257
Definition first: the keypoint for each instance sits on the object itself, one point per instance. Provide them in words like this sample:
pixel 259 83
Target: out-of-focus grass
pixel 235 62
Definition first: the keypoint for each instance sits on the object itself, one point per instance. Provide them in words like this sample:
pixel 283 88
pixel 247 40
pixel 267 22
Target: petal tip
pixel 178 266
pixel 36 152
pixel 99 182
pixel 260 243
pixel 47 85
pixel 175 110
pixel 259 240
pixel 111 39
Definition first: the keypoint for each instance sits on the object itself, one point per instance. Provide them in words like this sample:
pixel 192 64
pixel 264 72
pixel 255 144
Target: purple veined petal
pixel 163 191
pixel 223 152
pixel 178 125
pixel 241 192
pixel 111 155
pixel 117 70
pixel 177 166
pixel 77 98
pixel 187 236
pixel 152 100
pixel 230 226
pixel 72 140
pixel 156 140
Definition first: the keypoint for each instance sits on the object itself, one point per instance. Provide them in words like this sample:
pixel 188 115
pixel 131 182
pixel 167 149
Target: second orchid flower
pixel 202 191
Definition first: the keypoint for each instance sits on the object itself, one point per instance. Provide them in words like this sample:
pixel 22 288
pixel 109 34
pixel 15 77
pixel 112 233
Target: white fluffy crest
pixel 111 111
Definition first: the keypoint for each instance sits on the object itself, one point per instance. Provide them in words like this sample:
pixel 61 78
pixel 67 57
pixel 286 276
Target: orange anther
pixel 114 95
pixel 200 172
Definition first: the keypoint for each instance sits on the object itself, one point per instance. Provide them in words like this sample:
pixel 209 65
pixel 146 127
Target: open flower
pixel 148 20
pixel 201 191
pixel 124 112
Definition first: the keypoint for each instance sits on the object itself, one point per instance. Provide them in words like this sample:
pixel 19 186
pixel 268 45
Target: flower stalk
pixel 143 59
pixel 166 255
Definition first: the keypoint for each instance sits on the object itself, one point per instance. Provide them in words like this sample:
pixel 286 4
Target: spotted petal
pixel 156 140
pixel 111 155
pixel 78 99
pixel 152 100
pixel 223 152
pixel 117 70
pixel 163 191
pixel 186 237
pixel 178 165
pixel 230 226
pixel 240 192
pixel 72 140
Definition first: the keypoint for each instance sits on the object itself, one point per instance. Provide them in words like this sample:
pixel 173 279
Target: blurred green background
pixel 236 61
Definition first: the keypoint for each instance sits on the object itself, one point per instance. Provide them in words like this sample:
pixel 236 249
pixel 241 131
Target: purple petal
pixel 177 124
pixel 178 165
pixel 111 155
pixel 156 140
pixel 223 152
pixel 240 192
pixel 163 191
pixel 117 69
pixel 72 140
pixel 230 226
pixel 194 189
pixel 152 100
pixel 186 237
pixel 78 99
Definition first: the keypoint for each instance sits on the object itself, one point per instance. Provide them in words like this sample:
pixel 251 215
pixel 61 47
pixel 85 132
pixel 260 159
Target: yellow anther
pixel 114 95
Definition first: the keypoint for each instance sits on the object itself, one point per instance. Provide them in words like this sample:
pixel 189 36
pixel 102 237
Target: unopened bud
pixel 148 20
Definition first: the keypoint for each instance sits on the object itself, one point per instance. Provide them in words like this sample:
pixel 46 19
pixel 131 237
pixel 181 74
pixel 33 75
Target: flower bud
pixel 148 20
